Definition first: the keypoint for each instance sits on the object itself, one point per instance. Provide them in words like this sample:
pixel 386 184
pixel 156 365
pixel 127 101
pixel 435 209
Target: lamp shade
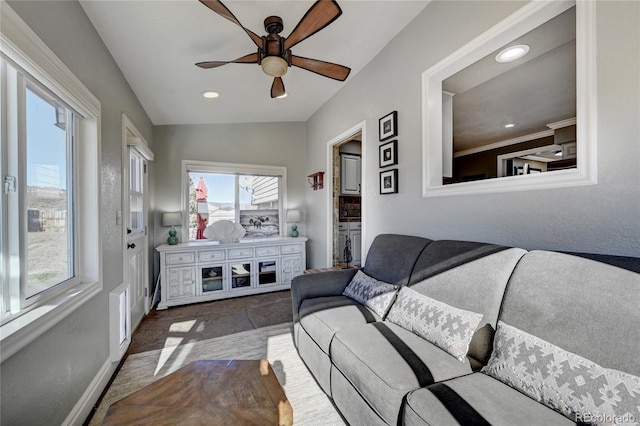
pixel 293 216
pixel 171 219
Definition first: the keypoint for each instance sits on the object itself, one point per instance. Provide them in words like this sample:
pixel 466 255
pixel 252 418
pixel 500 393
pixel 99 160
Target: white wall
pixel 270 144
pixel 41 384
pixel 601 218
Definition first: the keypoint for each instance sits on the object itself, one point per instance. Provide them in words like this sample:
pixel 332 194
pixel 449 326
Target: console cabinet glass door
pixel 212 278
pixel 267 272
pixel 240 275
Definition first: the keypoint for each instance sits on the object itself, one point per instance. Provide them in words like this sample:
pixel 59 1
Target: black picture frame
pixel 388 126
pixel 388 154
pixel 389 181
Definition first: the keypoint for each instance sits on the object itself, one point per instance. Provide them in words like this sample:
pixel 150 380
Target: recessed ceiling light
pixel 512 53
pixel 210 94
pixel 509 125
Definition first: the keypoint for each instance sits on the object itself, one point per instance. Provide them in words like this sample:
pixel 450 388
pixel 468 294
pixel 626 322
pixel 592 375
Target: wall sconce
pixel 172 219
pixel 316 180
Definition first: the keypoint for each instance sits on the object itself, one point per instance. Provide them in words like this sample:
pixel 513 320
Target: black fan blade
pixel 277 88
pixel 326 69
pixel 251 58
pixel 222 10
pixel 321 14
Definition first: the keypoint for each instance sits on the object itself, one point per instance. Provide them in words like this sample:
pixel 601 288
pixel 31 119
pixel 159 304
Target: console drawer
pixel 208 256
pixel 180 258
pixel 267 251
pixel 291 248
pixel 239 253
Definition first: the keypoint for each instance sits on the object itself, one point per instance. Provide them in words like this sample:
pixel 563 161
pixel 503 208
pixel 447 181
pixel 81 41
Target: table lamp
pixel 293 216
pixel 172 219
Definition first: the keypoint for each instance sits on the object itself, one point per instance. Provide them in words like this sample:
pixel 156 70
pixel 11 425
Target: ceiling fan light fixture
pixel 274 66
pixel 210 94
pixel 512 53
pixel 284 95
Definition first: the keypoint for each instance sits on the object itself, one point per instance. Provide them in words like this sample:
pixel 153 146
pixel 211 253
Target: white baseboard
pixel 83 407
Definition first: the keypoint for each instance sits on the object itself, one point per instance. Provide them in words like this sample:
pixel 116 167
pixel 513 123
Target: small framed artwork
pixel 389 181
pixel 388 126
pixel 389 154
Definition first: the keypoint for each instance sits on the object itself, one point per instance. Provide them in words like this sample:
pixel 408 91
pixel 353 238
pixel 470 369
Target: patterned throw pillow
pixel 449 328
pixel 568 383
pixel 375 295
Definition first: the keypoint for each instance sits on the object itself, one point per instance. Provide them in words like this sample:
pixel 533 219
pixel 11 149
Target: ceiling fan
pixel 274 51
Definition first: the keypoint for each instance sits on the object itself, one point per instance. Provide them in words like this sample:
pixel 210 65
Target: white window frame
pixel 231 168
pixel 19 328
pixel 525 19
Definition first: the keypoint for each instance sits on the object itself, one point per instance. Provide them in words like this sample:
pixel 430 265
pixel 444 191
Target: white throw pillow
pixel 375 295
pixel 568 383
pixel 447 327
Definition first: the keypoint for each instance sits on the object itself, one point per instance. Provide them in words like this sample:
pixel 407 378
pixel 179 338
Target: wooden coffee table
pixel 208 392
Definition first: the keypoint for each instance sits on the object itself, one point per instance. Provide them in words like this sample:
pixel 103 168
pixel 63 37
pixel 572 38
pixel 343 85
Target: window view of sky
pixel 220 187
pixel 46 145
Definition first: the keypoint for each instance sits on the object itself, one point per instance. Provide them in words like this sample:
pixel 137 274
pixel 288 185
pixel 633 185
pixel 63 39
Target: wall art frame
pixel 388 126
pixel 388 154
pixel 389 181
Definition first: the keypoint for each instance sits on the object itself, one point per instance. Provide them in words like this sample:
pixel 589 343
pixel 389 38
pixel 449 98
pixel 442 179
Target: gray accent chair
pixel 379 373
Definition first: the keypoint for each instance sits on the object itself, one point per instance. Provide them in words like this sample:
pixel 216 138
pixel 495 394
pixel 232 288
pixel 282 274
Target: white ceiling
pixel 157 42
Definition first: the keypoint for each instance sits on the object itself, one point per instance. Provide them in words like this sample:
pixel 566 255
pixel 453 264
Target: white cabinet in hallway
pixel 352 230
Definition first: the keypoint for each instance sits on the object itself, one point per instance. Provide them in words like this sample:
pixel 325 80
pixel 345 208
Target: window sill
pixel 17 333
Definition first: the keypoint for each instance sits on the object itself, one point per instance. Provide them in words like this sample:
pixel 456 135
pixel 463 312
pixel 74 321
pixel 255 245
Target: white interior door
pixel 136 154
pixel 136 263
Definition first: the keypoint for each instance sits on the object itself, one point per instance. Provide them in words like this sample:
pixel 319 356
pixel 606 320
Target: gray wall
pixel 601 218
pixel 42 383
pixel 269 144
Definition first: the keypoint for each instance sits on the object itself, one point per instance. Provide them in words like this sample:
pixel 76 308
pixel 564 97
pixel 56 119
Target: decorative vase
pixel 173 239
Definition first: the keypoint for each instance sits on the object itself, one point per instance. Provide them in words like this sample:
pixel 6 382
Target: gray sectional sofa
pixel 551 338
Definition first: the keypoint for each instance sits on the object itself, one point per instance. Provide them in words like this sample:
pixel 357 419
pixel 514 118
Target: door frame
pixel 358 128
pixel 132 138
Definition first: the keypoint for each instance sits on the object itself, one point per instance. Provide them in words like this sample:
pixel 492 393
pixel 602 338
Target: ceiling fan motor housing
pixel 273 25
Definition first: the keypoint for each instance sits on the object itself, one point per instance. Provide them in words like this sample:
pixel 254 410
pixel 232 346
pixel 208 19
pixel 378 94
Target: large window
pixel 50 206
pixel 249 195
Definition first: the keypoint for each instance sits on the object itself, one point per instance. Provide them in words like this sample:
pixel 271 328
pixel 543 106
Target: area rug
pixel 274 343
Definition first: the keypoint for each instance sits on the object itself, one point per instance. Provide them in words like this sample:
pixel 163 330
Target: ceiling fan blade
pixel 327 69
pixel 321 14
pixel 222 10
pixel 277 88
pixel 251 58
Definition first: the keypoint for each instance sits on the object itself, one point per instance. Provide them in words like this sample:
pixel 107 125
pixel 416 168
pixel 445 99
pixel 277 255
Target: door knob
pixel 131 245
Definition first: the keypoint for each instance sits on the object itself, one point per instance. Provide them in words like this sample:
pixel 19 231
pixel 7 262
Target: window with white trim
pixel 250 195
pixel 50 242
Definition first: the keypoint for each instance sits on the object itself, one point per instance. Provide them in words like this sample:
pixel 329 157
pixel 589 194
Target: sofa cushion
pixel 473 278
pixel 568 383
pixel 322 317
pixel 375 295
pixel 586 307
pixel 446 326
pixel 391 257
pixel 384 362
pixel 476 399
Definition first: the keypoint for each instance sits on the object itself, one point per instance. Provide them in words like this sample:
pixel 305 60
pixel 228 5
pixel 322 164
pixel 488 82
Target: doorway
pixel 135 206
pixel 347 156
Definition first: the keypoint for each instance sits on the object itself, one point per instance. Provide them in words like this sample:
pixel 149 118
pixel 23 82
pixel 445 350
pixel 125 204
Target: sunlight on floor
pixel 172 344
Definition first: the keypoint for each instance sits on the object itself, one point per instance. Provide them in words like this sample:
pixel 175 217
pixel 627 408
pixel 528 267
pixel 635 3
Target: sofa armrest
pixel 318 284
